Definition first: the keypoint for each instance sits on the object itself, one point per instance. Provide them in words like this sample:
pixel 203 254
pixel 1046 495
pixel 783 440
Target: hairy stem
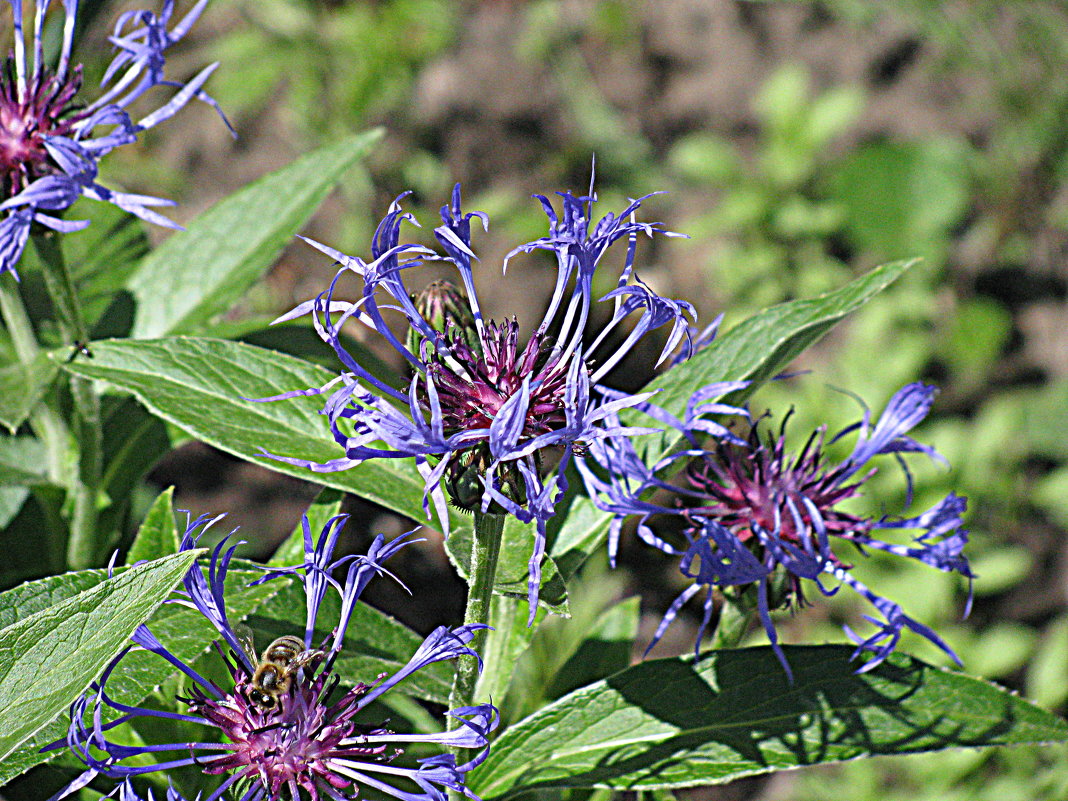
pixel 84 484
pixel 485 549
pixel 47 424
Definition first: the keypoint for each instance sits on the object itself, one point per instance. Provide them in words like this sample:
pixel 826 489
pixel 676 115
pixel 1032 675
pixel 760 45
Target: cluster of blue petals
pixel 86 132
pixel 728 544
pixel 370 419
pixel 310 744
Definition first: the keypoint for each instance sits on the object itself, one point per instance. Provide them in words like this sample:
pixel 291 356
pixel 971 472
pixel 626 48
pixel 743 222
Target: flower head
pixel 283 727
pixel 485 416
pixel 51 139
pixel 759 514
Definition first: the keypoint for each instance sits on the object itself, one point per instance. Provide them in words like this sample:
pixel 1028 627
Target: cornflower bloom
pixel 761 515
pixel 51 140
pixel 480 411
pixel 284 726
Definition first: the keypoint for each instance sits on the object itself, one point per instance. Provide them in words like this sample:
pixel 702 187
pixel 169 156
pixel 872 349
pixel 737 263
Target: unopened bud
pixel 463 481
pixel 446 309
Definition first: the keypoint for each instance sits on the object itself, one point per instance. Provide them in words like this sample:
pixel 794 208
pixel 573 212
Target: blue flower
pixel 758 514
pixel 481 414
pixel 51 140
pixel 285 726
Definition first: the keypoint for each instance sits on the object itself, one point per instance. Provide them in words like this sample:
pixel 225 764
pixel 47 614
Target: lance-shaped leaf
pixel 46 659
pixel 21 387
pixel 201 386
pixel 670 723
pixel 158 534
pixel 200 272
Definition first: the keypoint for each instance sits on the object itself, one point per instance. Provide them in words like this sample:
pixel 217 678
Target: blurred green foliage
pixel 771 228
pixel 328 68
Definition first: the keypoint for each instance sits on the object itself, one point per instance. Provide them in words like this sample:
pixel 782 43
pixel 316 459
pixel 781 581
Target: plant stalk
pixel 84 484
pixel 47 424
pixel 481 573
pixel 485 550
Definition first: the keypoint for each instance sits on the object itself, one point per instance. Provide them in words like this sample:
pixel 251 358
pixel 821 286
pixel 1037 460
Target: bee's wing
pixel 248 642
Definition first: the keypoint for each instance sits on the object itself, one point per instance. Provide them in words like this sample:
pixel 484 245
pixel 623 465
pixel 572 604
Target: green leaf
pixel 158 534
pixel 200 272
pixel 672 723
pixel 11 502
pixel 47 659
pixel 565 654
pixel 134 441
pixel 200 385
pixel 22 461
pixel 605 650
pixel 506 641
pixel 33 596
pixel 102 264
pixel 754 350
pixel 184 631
pixel 21 387
pixel 299 339
pixel 327 504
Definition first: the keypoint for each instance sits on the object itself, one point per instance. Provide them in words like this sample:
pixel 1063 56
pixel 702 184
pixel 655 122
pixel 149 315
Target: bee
pixel 276 668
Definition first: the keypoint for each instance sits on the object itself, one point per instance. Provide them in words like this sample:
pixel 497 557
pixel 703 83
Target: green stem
pixel 19 327
pixel 498 661
pixel 84 485
pixel 60 286
pixel 83 543
pixel 47 424
pixel 485 549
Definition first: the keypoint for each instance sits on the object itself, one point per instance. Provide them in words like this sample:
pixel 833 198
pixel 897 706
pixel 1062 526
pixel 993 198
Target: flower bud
pixel 446 309
pixel 463 481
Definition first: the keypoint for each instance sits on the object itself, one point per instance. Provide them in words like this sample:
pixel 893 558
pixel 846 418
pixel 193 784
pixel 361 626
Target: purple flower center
pixel 474 388
pixel 301 744
pixel 762 486
pixel 46 109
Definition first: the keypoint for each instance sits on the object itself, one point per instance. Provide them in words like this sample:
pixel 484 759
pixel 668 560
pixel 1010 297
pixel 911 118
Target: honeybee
pixel 276 667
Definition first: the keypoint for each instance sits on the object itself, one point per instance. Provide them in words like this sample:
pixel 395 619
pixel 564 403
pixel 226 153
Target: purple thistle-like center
pixel 47 108
pixel 298 745
pixel 761 485
pixel 472 395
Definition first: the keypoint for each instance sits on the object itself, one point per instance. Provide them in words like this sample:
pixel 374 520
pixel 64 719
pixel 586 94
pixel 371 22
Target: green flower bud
pixel 464 485
pixel 446 308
